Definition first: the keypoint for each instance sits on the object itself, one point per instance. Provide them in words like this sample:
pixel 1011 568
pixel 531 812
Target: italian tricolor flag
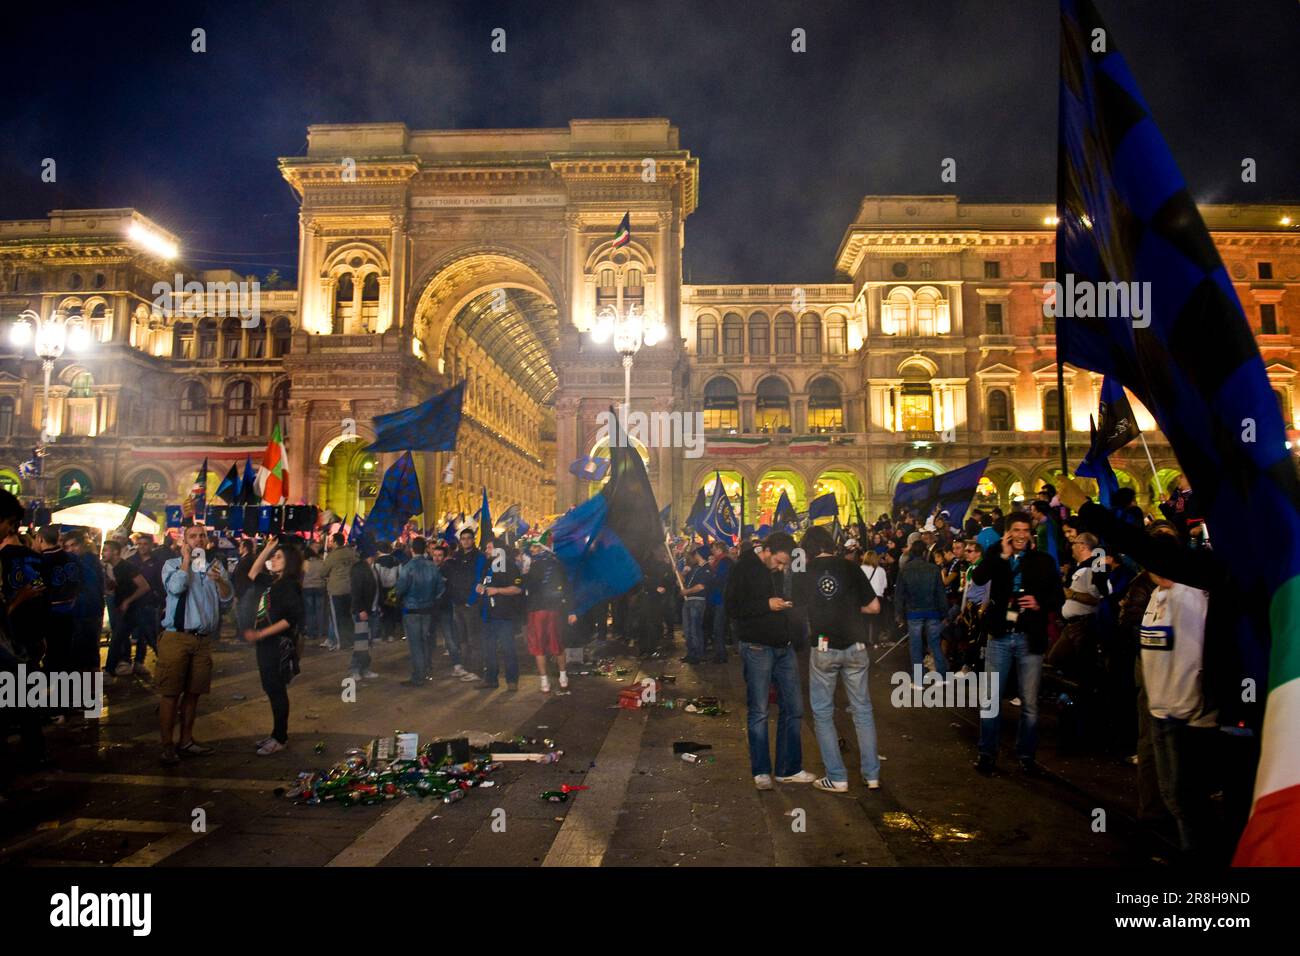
pixel 1272 836
pixel 273 473
pixel 736 444
pixel 807 443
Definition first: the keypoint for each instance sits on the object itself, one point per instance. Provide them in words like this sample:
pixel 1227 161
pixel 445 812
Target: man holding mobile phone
pixel 197 590
pixel 1024 589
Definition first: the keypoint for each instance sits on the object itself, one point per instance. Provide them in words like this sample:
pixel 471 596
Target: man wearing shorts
pixel 547 591
pixel 197 588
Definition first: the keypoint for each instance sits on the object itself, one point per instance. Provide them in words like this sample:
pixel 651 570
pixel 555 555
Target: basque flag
pixel 1125 215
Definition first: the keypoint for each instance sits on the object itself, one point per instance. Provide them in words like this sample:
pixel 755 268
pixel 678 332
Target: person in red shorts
pixel 548 604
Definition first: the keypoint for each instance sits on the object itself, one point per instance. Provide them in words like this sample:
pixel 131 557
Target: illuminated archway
pixel 846 486
pixel 768 493
pixel 350 479
pixel 601 450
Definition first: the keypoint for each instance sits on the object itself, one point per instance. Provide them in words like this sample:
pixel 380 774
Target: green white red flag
pixel 273 473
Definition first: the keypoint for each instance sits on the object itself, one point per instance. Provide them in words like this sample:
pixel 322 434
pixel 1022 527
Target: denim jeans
pixel 1000 654
pixel 361 634
pixel 139 623
pixel 851 664
pixel 693 628
pixel 419 639
pixel 1181 754
pixel 764 664
pixel 720 625
pixel 499 633
pixel 444 622
pixel 921 631
pixel 313 607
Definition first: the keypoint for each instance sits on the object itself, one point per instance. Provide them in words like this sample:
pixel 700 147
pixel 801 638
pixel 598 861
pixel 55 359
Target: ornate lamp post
pixel 630 328
pixel 50 337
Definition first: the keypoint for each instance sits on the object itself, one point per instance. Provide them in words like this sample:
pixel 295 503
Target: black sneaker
pixel 985 765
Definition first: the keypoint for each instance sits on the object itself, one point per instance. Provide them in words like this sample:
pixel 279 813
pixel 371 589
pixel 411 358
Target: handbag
pixel 289 663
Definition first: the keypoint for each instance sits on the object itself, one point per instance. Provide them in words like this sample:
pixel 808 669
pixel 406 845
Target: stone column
pixel 304 479
pixel 566 450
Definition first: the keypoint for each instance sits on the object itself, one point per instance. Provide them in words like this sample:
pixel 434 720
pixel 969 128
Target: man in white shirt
pixel 1182 725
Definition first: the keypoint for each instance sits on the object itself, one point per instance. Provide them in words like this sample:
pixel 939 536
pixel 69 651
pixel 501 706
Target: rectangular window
pixel 785 338
pixel 758 332
pixel 1265 270
pixel 810 340
pixel 992 269
pixel 1268 319
pixel 1047 270
pixel 733 338
pixel 927 270
pixel 993 318
pixel 835 338
pixel 918 408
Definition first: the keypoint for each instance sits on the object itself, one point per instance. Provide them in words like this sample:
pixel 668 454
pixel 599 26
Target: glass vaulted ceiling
pixel 520 335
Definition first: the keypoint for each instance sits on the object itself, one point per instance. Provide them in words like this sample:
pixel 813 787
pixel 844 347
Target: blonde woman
pixel 879 582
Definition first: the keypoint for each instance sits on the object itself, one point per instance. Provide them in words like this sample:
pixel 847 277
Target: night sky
pixel 788 143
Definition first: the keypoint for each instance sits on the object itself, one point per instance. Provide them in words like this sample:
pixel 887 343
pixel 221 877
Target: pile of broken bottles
pixel 442 769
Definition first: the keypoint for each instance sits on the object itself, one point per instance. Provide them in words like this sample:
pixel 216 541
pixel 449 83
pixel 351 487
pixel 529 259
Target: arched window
pixel 634 280
pixel 825 406
pixel 194 409
pixel 607 279
pixel 772 409
pixel 721 405
pixel 99 325
pixel 810 335
pixel 6 417
pixel 83 384
pixel 760 334
pixel 230 339
pixel 370 302
pixel 733 335
pixel 1051 411
pixel 896 313
pixel 281 337
pixel 343 295
pixel 917 400
pixel 183 340
pixel 999 411
pixel 241 417
pixel 784 337
pixel 280 408
pixel 207 339
pixel 706 337
pixel 836 335
pixel 926 312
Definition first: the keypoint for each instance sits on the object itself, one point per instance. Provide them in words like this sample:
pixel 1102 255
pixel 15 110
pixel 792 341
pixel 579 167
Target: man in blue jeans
pixel 695 583
pixel 1025 589
pixel 760 615
pixel 721 568
pixel 836 594
pixel 921 600
pixel 419 585
pixel 500 602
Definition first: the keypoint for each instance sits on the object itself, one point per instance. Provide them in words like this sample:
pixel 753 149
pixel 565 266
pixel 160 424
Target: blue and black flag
pixel 1113 428
pixel 228 490
pixel 614 540
pixel 430 426
pixel 720 520
pixel 953 491
pixel 698 510
pixel 398 499
pixel 785 518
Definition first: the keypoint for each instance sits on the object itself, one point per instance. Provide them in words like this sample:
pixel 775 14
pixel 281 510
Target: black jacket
pixel 749 586
pixel 462 573
pixel 364 587
pixel 1039 577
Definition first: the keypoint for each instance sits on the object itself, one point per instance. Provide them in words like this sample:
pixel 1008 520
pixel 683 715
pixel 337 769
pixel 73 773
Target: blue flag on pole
pixel 248 487
pixel 398 499
pixel 824 507
pixel 720 520
pixel 700 507
pixel 952 492
pixel 1114 427
pixel 429 426
pixel 784 517
pixel 589 468
pixel 357 531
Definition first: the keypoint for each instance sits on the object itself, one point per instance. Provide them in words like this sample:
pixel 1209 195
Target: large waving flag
pixel 720 520
pixel 398 499
pixel 952 492
pixel 613 540
pixel 1125 215
pixel 357 531
pixel 273 474
pixel 429 426
pixel 589 468
pixel 784 518
pixel 699 509
pixel 825 506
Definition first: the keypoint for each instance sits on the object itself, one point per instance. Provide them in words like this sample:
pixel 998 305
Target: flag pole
pixel 1060 409
pixel 1155 477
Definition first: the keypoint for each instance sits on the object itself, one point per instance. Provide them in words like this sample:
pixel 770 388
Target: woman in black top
pixel 279 612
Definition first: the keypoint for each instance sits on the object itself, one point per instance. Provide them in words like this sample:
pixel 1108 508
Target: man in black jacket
pixel 1026 588
pixel 759 613
pixel 365 616
pixel 463 572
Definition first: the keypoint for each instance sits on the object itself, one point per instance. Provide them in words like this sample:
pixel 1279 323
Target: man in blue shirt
pixel 197 588
pixel 419 586
pixel 696 582
pixel 721 568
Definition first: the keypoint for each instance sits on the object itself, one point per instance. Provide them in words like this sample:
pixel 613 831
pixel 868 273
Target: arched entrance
pixel 770 488
pixel 845 485
pixel 349 479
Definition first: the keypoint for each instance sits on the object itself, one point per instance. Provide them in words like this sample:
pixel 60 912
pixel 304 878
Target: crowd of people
pixel 1107 612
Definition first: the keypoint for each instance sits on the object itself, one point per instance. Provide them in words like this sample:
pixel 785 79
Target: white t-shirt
pixel 877 578
pixel 1173 649
pixel 1081 582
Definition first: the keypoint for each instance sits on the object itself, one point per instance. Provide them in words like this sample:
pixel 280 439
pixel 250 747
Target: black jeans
pixel 268 666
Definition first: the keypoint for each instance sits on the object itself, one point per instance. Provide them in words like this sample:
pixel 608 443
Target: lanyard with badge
pixel 1017 589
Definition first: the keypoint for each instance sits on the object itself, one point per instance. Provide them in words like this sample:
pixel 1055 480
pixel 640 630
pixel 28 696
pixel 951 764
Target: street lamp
pixel 630 328
pixel 60 331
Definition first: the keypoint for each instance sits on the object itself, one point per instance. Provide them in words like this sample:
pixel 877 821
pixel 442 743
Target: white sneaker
pixel 763 781
pixel 458 671
pixel 272 746
pixel 564 680
pixel 468 678
pixel 873 784
pixel 803 776
pixel 1015 701
pixel 546 684
pixel 831 786
pixel 369 675
pixel 124 669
